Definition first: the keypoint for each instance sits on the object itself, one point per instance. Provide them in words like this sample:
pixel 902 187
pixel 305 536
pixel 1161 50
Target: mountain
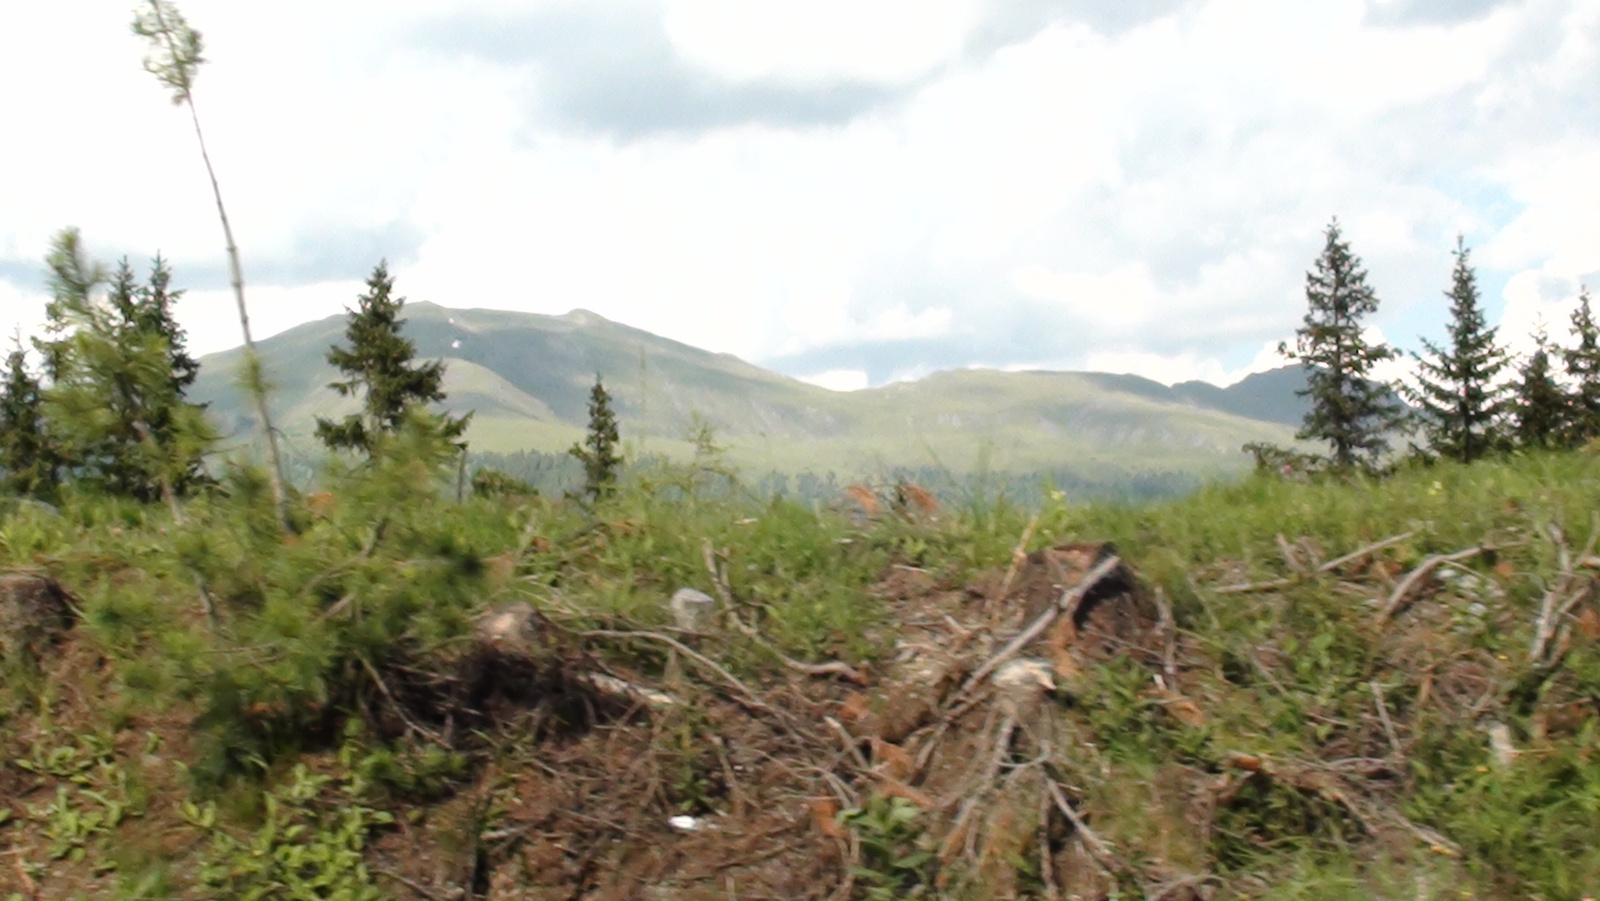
pixel 527 378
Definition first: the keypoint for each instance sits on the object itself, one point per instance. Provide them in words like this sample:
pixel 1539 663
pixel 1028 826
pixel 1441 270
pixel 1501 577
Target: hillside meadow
pixel 1266 689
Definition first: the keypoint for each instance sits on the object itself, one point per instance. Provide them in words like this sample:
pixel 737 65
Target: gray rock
pixel 692 611
pixel 515 627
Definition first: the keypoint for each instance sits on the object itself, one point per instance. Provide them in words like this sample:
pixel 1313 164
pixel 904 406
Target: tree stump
pixel 34 614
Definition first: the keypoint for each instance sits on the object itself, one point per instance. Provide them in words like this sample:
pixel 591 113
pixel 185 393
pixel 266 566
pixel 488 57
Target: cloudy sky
pixel 850 191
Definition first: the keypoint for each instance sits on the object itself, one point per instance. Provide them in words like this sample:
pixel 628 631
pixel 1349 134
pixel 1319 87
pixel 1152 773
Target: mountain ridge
pixel 528 375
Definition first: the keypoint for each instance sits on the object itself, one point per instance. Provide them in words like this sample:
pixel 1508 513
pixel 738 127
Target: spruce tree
pixel 27 459
pixel 1540 408
pixel 1582 364
pixel 1459 404
pixel 1349 411
pixel 114 401
pixel 598 452
pixel 379 364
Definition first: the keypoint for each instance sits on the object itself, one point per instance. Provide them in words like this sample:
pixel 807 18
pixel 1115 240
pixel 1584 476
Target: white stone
pixel 692 611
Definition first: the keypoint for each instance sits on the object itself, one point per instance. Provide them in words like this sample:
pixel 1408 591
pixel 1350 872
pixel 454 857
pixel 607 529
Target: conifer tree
pixel 1349 411
pixel 1582 364
pixel 598 452
pixel 379 364
pixel 1540 408
pixel 27 459
pixel 174 59
pixel 1459 404
pixel 113 400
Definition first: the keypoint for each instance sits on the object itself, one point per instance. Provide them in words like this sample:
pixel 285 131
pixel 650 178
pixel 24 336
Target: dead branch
pixel 1047 864
pixel 1383 715
pixel 418 887
pixel 400 709
pixel 848 742
pixel 1018 555
pixel 1330 566
pixel 1325 783
pixel 720 583
pixel 1290 557
pixel 1098 849
pixel 750 698
pixel 1169 640
pixel 1337 562
pixel 1067 603
pixel 1562 597
pixel 1421 573
pixel 1247 587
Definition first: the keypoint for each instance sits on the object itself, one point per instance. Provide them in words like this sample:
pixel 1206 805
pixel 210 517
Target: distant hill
pixel 527 377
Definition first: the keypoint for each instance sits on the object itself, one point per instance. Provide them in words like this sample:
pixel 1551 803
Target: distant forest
pixel 555 474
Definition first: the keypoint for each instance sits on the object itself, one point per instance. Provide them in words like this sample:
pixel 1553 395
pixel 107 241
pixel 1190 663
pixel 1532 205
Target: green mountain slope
pixel 527 377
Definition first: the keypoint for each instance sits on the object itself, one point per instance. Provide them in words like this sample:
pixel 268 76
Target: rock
pixel 515 628
pixel 1020 685
pixel 692 611
pixel 34 614
pixel 1504 752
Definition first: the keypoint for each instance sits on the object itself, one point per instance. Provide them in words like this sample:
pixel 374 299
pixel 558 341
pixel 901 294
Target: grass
pixel 287 700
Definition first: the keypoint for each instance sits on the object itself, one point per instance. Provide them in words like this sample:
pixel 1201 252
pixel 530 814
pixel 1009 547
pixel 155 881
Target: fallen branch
pixel 1324 569
pixel 1383 715
pixel 1169 640
pixel 1248 587
pixel 1421 573
pixel 1551 612
pixel 750 698
pixel 1337 562
pixel 399 709
pixel 1098 849
pixel 1018 555
pixel 1067 603
pixel 1047 865
pixel 1371 813
pixel 720 583
pixel 417 887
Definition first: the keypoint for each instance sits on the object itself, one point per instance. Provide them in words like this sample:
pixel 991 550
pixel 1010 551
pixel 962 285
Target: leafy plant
pixel 894 859
pixel 308 847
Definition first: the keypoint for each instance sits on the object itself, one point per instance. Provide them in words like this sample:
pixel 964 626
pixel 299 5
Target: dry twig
pixel 1383 715
pixel 1562 597
pixel 1098 849
pixel 720 583
pixel 1328 567
pixel 749 697
pixel 1066 604
pixel 1018 555
pixel 1421 573
pixel 400 709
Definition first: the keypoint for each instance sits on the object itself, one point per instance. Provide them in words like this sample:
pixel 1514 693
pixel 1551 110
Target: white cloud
pixel 879 40
pixel 1146 198
pixel 838 379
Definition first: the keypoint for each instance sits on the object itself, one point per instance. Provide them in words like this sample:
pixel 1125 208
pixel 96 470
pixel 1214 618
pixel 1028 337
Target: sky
pixel 847 191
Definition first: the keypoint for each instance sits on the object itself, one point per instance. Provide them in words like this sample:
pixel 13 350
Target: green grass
pixel 389 572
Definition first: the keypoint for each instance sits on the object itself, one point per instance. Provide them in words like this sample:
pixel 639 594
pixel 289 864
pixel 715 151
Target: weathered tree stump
pixel 34 614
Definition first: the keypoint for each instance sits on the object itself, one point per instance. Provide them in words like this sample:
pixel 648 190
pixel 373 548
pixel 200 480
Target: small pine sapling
pixel 28 463
pixel 1540 409
pixel 1582 364
pixel 598 452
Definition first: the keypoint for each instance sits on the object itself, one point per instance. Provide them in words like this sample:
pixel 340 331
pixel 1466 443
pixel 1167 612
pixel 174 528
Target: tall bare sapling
pixel 174 59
